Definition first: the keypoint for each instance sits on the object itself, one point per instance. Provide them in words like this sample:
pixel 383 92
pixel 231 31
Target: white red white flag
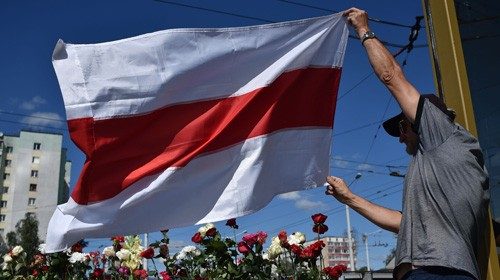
pixel 189 126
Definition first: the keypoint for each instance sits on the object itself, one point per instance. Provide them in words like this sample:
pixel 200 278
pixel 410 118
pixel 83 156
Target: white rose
pixel 274 251
pixel 265 256
pixel 189 249
pixel 109 251
pixel 67 251
pixel 181 256
pixel 41 248
pixel 7 258
pixel 300 236
pixel 123 254
pixel 17 250
pixel 203 230
pixel 77 257
pixel 117 264
pixel 5 266
pixel 296 238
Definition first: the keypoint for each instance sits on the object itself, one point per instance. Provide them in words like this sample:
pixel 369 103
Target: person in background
pixel 446 188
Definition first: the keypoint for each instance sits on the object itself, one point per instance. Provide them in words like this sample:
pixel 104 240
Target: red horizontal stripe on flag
pixel 123 150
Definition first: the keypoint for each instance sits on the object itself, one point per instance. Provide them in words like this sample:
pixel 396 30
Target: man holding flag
pixel 446 196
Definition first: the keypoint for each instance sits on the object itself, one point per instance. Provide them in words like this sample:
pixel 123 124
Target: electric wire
pixel 333 11
pixel 266 20
pixel 31 116
pixel 334 210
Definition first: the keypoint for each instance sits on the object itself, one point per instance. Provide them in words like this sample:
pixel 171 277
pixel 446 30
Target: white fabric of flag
pixel 188 126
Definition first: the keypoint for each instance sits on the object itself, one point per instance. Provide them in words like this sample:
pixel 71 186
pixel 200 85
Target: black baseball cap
pixel 391 125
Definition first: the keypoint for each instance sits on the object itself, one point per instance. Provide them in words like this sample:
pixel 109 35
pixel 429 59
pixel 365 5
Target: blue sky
pixel 31 99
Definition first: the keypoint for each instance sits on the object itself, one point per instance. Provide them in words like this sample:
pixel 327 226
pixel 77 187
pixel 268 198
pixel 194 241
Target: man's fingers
pixel 332 179
pixel 348 11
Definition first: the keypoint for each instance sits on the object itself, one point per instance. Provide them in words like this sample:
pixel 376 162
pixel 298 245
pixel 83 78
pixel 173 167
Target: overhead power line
pixel 390 44
pixel 34 125
pixel 31 116
pixel 333 11
pixel 338 209
pixel 374 164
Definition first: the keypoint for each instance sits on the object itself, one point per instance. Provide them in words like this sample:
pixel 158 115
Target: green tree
pixel 3 246
pixel 12 239
pixel 391 255
pixel 26 235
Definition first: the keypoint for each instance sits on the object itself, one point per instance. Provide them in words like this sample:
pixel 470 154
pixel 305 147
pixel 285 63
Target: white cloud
pixel 357 156
pixel 339 162
pixel 307 204
pixel 44 119
pixel 365 166
pixel 290 195
pixel 33 103
pixel 301 202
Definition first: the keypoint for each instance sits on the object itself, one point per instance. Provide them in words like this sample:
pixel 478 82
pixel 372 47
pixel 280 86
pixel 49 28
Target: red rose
pixel 45 268
pixel 148 253
pixel 261 237
pixel 164 252
pixel 319 218
pixel 342 267
pixel 211 232
pixel 282 236
pixel 296 249
pixel 197 238
pixel 165 276
pixel 35 273
pixel 141 273
pixel 333 272
pixel 312 251
pixel 77 247
pixel 244 248
pixel 320 228
pixel 118 239
pixel 250 238
pixel 232 223
pixel 98 272
pixel 307 253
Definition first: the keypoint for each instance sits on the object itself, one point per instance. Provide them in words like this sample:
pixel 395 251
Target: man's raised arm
pixel 385 66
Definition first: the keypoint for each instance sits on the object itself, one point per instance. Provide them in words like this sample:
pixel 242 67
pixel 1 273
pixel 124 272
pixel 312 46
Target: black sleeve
pixel 418 116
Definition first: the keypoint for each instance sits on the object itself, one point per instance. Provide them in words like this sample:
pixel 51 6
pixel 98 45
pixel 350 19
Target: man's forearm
pixel 390 73
pixel 383 217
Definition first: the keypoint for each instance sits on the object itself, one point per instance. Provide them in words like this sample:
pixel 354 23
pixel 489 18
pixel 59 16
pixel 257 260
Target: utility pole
pixel 365 240
pixel 145 261
pixel 349 235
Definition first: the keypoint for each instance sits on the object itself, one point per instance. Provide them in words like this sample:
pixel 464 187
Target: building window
pixel 34 173
pixel 5 190
pixel 6 176
pixel 31 201
pixel 2 218
pixel 9 149
pixel 8 162
pixel 32 187
pixel 3 203
pixel 35 160
pixel 36 146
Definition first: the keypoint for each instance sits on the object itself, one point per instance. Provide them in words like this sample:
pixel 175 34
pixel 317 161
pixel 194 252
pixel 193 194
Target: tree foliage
pixel 26 235
pixel 391 255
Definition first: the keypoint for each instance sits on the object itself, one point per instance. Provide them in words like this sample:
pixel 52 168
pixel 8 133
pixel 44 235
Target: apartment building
pixel 336 251
pixel 34 178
